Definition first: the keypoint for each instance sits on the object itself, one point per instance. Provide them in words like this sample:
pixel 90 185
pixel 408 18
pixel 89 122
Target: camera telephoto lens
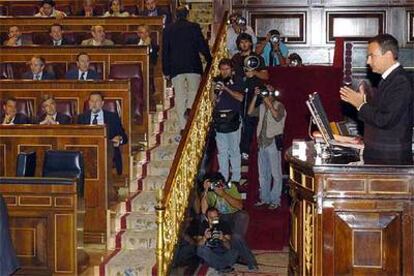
pixel 274 39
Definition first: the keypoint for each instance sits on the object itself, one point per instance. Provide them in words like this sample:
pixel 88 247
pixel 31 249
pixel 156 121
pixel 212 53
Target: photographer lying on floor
pixel 219 247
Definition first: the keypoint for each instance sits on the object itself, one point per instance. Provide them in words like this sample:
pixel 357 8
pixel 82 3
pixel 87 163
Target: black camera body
pixel 266 93
pixel 214 240
pixel 219 82
pixel 218 183
pixel 215 184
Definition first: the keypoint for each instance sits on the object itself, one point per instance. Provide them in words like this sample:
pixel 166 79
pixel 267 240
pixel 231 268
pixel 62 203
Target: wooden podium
pixel 350 219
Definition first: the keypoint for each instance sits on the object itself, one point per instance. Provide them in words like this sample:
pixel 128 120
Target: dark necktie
pixel 37 77
pixel 95 119
pixel 82 77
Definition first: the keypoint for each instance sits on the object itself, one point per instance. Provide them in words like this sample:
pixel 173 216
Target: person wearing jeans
pixel 219 246
pixel 226 116
pixel 272 116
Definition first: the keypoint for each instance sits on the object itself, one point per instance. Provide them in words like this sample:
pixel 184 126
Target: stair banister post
pixel 160 210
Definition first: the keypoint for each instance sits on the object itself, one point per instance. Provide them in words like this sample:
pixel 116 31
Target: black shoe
pixel 227 269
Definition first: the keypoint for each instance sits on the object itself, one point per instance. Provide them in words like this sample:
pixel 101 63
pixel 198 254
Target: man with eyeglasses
pixel 388 114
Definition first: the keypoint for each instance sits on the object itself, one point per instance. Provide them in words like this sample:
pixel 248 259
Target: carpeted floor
pixel 268 229
pixel 271 263
pixel 268 232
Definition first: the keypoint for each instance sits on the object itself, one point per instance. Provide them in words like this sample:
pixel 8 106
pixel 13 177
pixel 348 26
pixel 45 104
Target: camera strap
pixel 271 56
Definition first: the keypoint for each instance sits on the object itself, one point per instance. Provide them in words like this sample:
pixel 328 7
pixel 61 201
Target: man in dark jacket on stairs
pixel 182 43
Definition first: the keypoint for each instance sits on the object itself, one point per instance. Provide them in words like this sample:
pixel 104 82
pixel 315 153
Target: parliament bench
pixel 14 58
pixel 76 37
pixel 78 28
pixel 72 99
pixel 43 224
pixel 94 145
pixel 70 7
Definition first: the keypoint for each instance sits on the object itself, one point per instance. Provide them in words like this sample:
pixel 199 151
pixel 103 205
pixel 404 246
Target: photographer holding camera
pixel 250 67
pixel 219 247
pixel 272 116
pixel 226 119
pixel 215 192
pixel 237 26
pixel 272 49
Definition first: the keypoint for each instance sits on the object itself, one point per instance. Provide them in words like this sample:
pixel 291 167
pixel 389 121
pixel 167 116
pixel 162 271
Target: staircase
pixel 133 224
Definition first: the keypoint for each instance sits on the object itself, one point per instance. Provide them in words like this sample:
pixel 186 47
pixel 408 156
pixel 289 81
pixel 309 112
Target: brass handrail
pixel 172 201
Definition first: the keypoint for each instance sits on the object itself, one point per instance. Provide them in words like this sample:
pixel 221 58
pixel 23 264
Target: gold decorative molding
pixel 173 200
pixel 308 239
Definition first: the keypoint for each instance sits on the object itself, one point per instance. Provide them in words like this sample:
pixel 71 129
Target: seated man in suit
pixel 151 9
pixel 82 72
pixel 37 66
pixel 8 260
pixel 50 115
pixel 98 38
pixel 143 33
pixel 56 35
pixel 15 37
pixel 98 116
pixel 10 116
pixel 47 9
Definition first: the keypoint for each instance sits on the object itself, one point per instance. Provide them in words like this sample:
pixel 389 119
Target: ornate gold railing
pixel 172 201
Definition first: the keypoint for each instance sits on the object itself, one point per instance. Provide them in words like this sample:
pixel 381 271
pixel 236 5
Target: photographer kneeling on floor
pixel 225 197
pixel 218 246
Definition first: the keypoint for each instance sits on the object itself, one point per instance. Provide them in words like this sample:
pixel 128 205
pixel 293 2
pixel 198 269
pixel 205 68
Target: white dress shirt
pixel 100 117
pixel 389 70
pixel 40 76
pixel 80 74
pixel 11 122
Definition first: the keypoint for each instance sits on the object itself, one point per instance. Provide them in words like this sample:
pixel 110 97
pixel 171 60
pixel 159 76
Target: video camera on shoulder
pixel 219 82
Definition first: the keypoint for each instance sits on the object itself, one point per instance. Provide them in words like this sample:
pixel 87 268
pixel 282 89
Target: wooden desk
pixel 90 140
pixel 78 92
pixel 42 218
pixel 350 219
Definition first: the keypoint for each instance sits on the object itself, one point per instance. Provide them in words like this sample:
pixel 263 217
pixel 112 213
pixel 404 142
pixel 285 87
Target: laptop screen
pixel 315 106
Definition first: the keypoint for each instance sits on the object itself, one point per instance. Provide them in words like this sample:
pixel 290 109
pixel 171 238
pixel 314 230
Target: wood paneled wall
pixel 310 26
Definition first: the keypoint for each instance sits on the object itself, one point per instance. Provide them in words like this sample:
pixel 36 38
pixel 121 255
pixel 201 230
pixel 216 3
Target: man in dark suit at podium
pixel 388 115
pixel 96 115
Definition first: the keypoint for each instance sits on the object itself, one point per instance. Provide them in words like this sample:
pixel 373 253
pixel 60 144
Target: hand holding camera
pixel 221 84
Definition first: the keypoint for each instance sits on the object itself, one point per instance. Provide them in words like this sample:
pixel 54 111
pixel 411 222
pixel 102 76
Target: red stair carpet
pixel 268 229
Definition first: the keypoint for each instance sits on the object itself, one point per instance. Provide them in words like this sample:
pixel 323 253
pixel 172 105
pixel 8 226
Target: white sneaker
pixel 260 203
pixel 274 206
